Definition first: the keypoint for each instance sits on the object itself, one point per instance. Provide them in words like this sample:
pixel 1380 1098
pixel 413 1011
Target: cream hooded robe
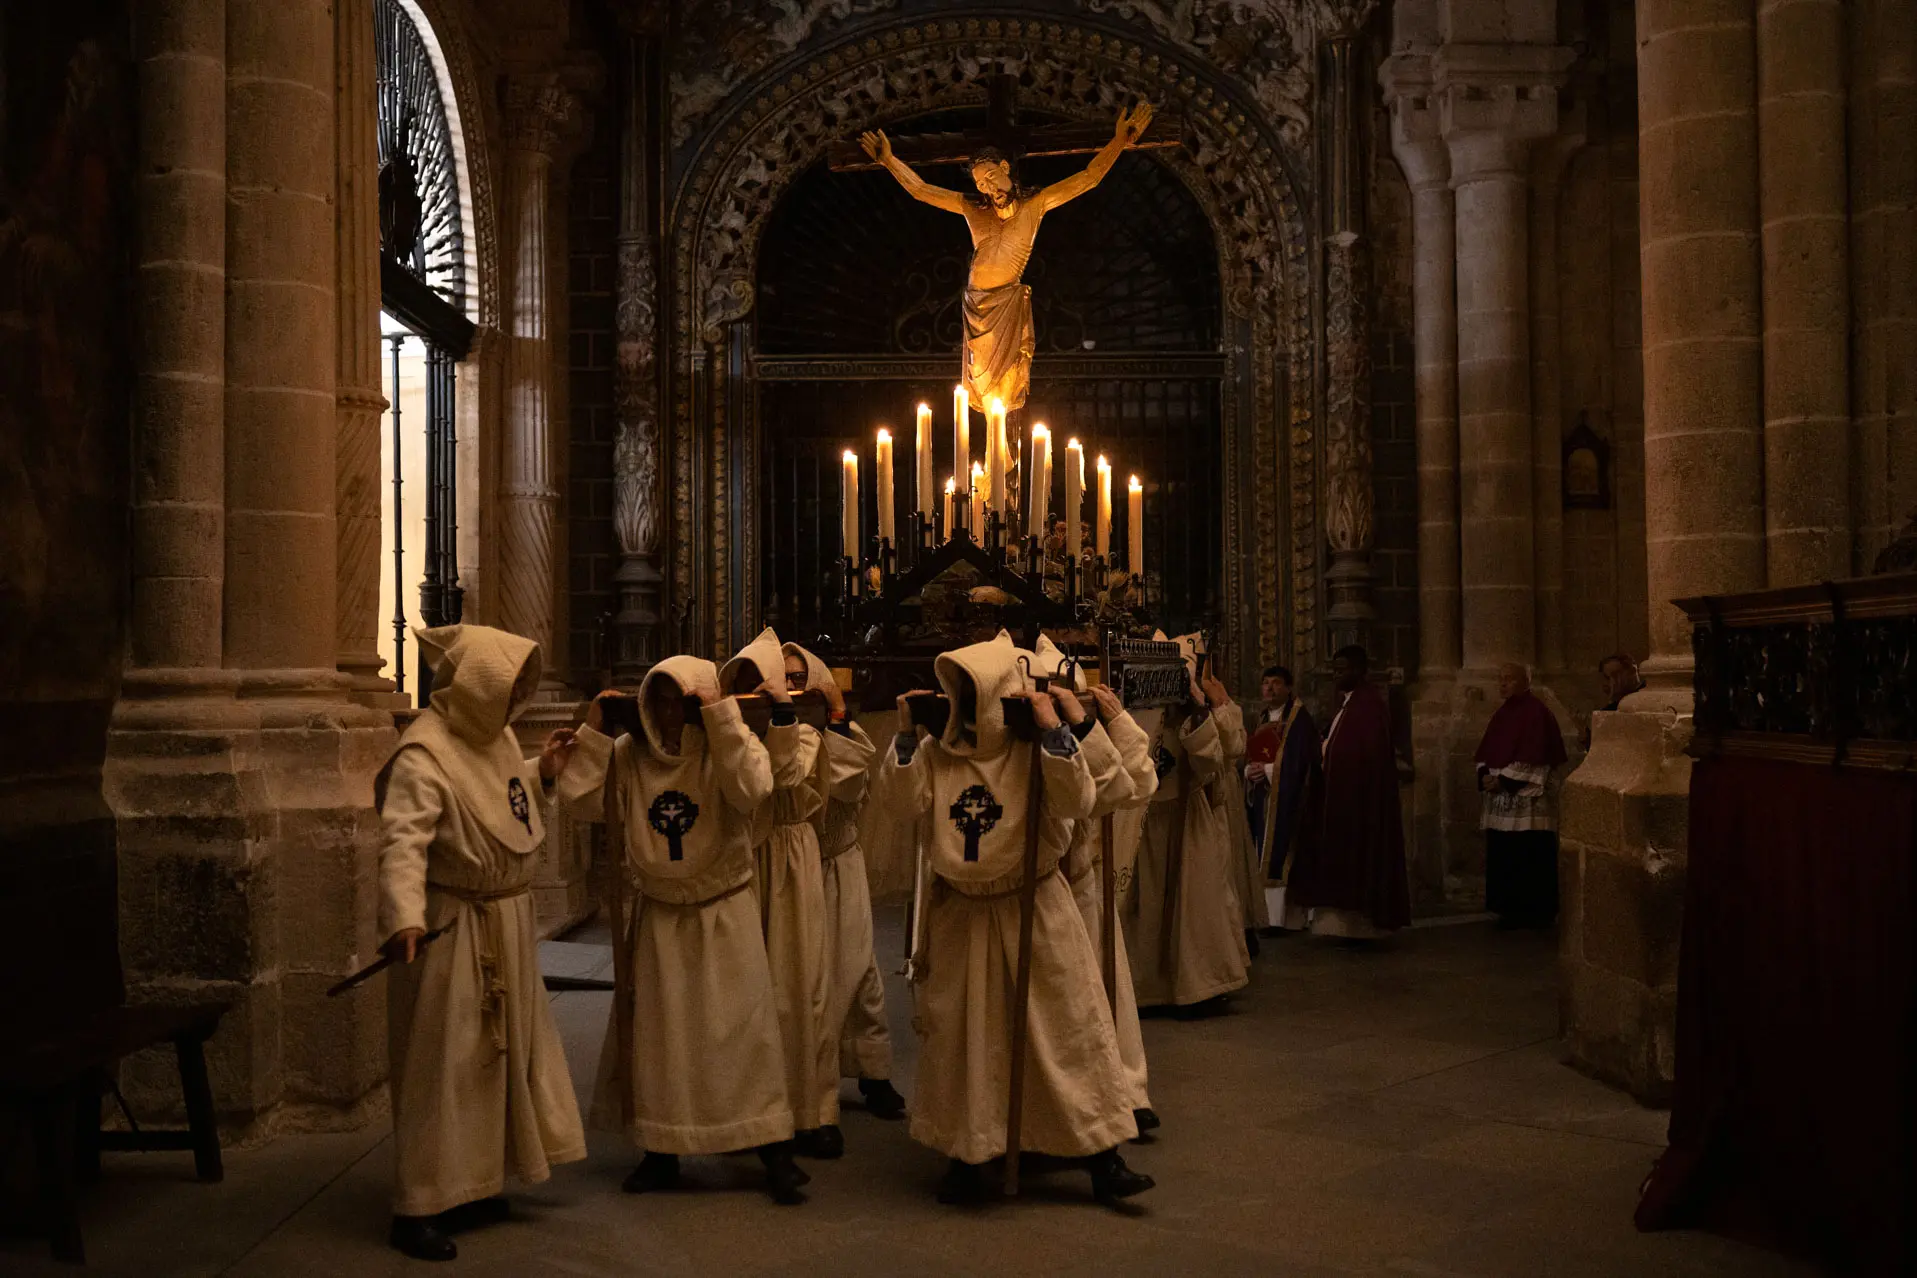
pixel 791 888
pixel 1118 757
pixel 707 1074
pixel 479 1079
pixel 857 1041
pixel 1184 922
pixel 1076 1101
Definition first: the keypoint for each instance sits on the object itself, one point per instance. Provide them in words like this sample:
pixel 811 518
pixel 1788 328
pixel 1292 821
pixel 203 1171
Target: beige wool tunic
pixel 479 1078
pixel 707 1071
pixel 1184 925
pixel 1076 1101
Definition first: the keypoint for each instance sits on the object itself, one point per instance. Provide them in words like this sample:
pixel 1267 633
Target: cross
pixel 673 815
pixel 974 812
pixel 1003 130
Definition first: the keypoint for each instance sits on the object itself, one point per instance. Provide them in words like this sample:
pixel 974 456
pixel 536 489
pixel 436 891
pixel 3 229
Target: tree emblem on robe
pixel 521 805
pixel 673 814
pixel 975 811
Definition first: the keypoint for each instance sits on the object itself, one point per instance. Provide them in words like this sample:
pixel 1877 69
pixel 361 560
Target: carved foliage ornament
pixel 635 453
pixel 1348 499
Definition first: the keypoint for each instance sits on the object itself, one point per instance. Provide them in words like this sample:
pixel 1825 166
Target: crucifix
pixel 1003 216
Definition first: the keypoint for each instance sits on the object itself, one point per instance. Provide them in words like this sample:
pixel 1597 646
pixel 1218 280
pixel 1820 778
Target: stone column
pixel 1547 410
pixel 359 395
pixel 1421 153
pixel 1803 203
pixel 1494 102
pixel 179 505
pixel 1623 831
pixel 538 109
pixel 637 514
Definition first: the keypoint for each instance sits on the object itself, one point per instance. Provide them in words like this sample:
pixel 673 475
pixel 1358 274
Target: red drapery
pixel 1794 1114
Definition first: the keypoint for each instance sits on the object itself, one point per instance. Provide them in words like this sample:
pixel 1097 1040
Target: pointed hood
pixel 762 654
pixel 483 679
pixel 477 677
pixel 991 671
pixel 817 673
pixel 690 675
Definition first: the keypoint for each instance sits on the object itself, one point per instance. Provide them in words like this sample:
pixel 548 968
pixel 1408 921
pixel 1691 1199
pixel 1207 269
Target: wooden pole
pixel 1022 993
pixel 621 943
pixel 1107 883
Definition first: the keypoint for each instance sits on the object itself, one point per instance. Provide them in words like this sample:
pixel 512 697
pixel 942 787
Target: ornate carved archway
pixel 1235 166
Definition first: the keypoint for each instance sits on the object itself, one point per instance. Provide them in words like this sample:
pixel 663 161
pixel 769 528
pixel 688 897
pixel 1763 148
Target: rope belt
pixel 491 943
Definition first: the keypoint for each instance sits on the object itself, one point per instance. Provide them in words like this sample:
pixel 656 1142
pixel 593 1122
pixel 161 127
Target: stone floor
pixel 1358 1111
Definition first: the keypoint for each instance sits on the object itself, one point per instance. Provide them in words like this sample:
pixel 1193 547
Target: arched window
pixel 423 290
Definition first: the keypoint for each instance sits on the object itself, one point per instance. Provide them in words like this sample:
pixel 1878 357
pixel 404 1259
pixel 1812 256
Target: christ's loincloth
pixel 998 344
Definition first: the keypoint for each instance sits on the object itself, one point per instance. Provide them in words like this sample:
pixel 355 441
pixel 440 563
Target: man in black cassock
pixel 1281 765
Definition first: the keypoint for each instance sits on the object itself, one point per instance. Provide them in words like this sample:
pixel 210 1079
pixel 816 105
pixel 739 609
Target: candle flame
pixel 1102 463
pixel 1136 486
pixel 951 485
pixel 1074 444
pixel 885 436
pixel 995 405
pixel 851 456
pixel 925 408
pixel 978 471
pixel 1040 428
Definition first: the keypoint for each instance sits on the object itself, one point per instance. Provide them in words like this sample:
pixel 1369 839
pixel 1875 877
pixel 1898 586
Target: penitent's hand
pixel 557 753
pixel 1215 694
pixel 1109 706
pixel 834 697
pixel 776 689
pixel 905 711
pixel 876 145
pixel 1068 703
pixel 1044 710
pixel 403 946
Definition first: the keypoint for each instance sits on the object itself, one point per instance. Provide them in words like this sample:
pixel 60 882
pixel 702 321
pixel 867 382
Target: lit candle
pixel 962 434
pixel 951 486
pixel 882 463
pixel 996 454
pixel 1074 495
pixel 978 503
pixel 1103 534
pixel 1135 532
pixel 849 514
pixel 1041 479
pixel 924 494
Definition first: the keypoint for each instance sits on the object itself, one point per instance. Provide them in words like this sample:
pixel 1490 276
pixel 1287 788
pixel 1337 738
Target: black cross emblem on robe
pixel 1003 131
pixel 975 811
pixel 672 814
pixel 1163 761
pixel 516 800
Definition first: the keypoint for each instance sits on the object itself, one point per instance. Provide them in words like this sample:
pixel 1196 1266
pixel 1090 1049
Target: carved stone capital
pixel 1417 134
pixel 1494 100
pixel 540 112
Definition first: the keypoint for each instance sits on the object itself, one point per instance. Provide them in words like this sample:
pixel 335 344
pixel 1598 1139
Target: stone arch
pixel 1243 174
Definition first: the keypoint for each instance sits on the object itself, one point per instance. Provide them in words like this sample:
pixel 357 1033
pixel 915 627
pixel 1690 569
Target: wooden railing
pixel 1815 674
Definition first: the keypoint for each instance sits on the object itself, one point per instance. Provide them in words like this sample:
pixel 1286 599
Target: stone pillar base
pixel 248 850
pixel 1621 861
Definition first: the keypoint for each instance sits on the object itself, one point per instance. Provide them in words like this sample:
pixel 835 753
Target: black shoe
pixel 1112 1180
pixel 882 1100
pixel 962 1185
pixel 1251 941
pixel 654 1172
pixel 421 1238
pixel 1147 1120
pixel 783 1179
pixel 820 1142
pixel 477 1214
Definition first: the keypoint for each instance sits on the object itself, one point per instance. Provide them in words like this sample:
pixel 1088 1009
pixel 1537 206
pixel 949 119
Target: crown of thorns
pixel 989 155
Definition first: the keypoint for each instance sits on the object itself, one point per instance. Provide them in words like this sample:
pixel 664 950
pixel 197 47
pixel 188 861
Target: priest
pixel 695 1064
pixel 974 780
pixel 479 1079
pixel 1184 921
pixel 1281 766
pixel 856 1039
pixel 1522 746
pixel 1350 876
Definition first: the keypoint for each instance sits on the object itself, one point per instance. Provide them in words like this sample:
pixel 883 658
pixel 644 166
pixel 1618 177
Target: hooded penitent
pixel 483 679
pixel 706 1073
pixel 981 793
pixel 479 1079
pixel 761 661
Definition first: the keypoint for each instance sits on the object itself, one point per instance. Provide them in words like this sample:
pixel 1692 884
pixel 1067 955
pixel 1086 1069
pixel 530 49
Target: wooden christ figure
pixel 1004 219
